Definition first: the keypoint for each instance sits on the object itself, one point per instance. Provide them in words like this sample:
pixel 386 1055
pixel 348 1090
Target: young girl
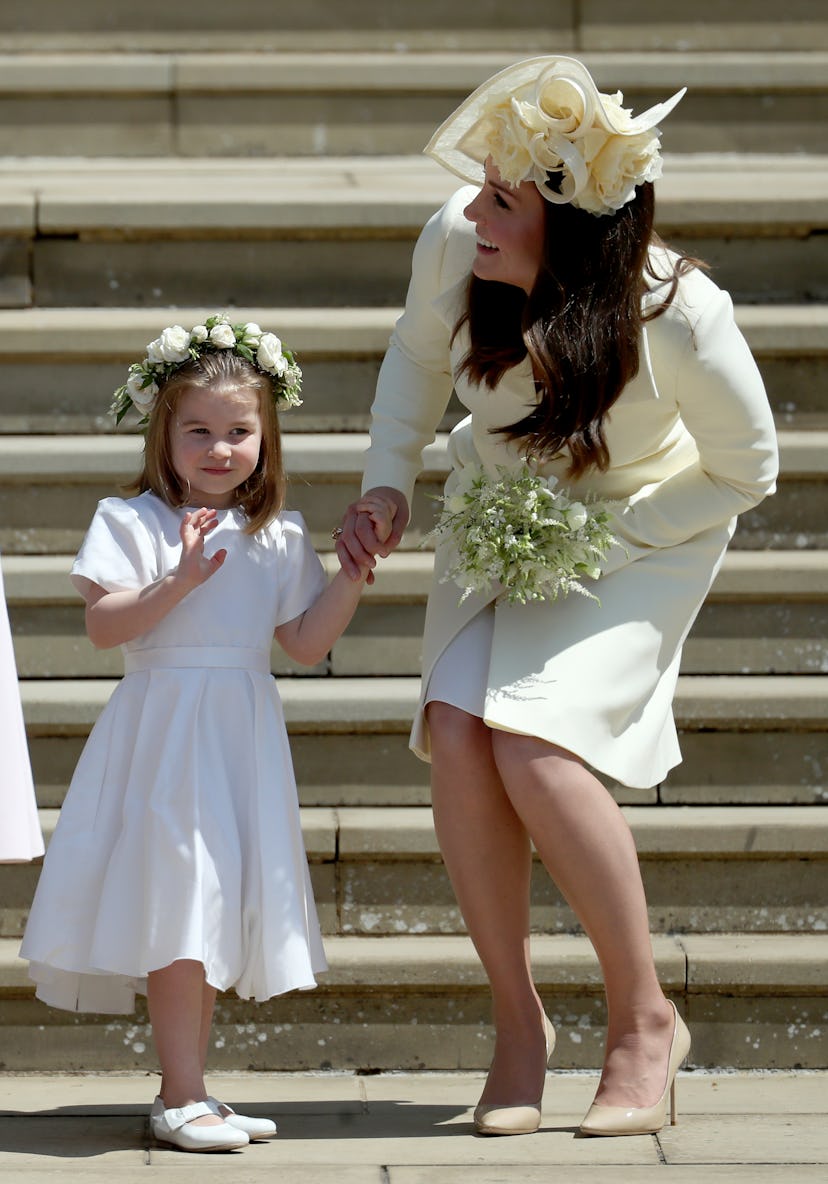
pixel 177 868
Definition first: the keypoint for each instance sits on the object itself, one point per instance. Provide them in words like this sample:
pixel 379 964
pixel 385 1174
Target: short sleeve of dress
pixel 117 552
pixel 302 577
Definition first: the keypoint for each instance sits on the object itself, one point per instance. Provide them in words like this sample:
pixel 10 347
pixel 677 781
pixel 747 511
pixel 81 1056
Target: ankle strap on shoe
pixel 181 1115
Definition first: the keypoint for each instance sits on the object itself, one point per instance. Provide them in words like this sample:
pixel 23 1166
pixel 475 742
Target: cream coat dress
pixel 692 445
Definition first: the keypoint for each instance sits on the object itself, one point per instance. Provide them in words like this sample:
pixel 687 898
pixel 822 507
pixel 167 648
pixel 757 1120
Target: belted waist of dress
pixel 173 657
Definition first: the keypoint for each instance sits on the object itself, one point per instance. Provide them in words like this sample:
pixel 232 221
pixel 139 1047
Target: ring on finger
pixel 336 532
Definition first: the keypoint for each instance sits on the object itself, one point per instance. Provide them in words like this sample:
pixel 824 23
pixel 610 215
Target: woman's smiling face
pixel 511 228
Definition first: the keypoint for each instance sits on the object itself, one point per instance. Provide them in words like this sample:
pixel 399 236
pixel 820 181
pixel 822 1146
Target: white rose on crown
pixel 269 354
pixel 252 334
pixel 142 395
pixel 222 336
pixel 172 346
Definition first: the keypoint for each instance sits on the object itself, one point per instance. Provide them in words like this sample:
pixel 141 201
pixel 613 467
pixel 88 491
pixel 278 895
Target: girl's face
pixel 510 225
pixel 215 441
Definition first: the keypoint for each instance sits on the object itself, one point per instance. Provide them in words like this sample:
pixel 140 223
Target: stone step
pixel 719 869
pixel 755 740
pixel 767 614
pixel 753 1001
pixel 340 231
pixel 59 365
pixel 378 871
pixel 68 360
pixel 370 102
pixel 528 26
pixel 49 487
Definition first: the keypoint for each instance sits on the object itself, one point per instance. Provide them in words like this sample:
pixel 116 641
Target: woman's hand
pixel 194 567
pixel 372 525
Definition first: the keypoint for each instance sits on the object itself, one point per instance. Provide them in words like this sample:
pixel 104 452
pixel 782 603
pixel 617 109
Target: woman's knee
pixel 515 752
pixel 454 730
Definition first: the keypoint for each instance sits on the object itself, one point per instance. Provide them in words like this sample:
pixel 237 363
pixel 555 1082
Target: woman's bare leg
pixel 179 1000
pixel 585 843
pixel 488 858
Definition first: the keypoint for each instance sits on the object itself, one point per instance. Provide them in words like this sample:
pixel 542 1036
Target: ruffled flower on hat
pixel 557 126
pixel 615 166
pixel 545 120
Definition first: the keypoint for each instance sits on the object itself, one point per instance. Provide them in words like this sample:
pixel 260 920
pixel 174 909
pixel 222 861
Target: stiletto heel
pixel 515 1120
pixel 643 1120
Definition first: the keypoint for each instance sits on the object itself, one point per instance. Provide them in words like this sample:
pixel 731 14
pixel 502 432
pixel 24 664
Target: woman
pixel 577 341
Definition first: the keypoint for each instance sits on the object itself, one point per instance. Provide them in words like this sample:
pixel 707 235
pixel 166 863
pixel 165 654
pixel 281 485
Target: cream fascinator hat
pixel 546 116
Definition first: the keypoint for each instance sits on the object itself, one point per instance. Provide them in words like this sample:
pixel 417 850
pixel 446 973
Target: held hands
pixel 195 567
pixel 373 525
pixel 381 510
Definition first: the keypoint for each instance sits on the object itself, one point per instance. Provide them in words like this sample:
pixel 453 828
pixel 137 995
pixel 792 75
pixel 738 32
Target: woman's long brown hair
pixel 580 326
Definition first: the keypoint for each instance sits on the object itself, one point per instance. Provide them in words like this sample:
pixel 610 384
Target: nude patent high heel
pixel 643 1120
pixel 514 1120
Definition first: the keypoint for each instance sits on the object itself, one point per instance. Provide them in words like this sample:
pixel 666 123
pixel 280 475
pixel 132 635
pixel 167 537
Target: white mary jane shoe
pixel 254 1128
pixel 176 1126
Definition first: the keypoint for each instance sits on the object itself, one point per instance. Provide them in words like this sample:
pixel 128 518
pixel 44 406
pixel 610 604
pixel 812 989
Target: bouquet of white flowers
pixel 520 531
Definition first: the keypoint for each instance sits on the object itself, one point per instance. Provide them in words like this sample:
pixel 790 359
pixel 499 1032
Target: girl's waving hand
pixel 113 618
pixel 196 567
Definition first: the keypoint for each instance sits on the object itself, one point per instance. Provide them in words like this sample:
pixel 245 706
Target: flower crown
pixel 175 347
pixel 544 120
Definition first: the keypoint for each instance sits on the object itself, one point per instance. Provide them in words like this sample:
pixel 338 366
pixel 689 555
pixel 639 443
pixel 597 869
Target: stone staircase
pixel 156 157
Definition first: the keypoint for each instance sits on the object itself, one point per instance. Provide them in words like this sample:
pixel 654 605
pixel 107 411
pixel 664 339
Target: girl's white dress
pixel 180 835
pixel 20 837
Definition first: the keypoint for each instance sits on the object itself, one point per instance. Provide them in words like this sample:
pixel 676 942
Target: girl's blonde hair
pixel 262 495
